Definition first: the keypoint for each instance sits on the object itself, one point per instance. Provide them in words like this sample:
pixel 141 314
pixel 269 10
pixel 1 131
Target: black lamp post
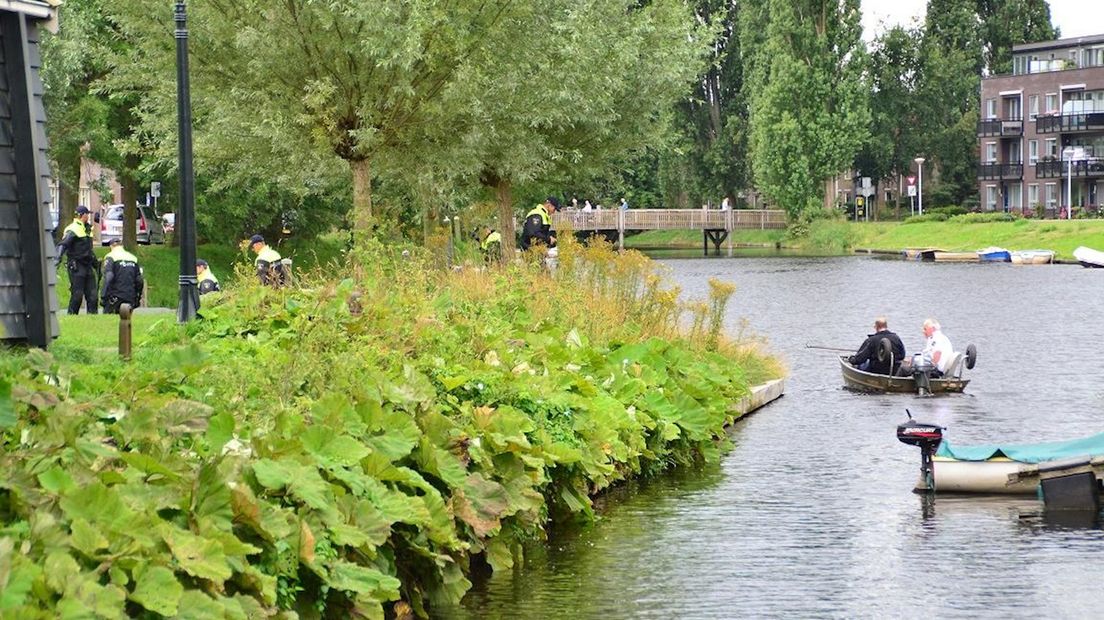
pixel 185 217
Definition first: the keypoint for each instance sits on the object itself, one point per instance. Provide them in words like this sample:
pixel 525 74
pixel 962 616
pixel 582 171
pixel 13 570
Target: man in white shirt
pixel 937 349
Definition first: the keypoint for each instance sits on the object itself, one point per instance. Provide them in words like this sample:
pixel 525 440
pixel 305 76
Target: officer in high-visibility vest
pixel 538 224
pixel 208 283
pixel 122 279
pixel 81 263
pixel 491 245
pixel 270 268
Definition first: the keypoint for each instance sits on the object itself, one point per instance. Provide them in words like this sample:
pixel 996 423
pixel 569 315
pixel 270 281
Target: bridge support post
pixel 620 230
pixel 717 236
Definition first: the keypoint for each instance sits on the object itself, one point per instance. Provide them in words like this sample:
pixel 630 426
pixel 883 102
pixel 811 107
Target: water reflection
pixel 811 514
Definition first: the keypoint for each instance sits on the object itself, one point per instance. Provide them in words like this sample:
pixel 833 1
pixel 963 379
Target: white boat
pixel 1089 257
pixel 1032 257
pixel 1006 469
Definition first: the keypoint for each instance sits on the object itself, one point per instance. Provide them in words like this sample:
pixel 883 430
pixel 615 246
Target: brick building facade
pixel 1042 124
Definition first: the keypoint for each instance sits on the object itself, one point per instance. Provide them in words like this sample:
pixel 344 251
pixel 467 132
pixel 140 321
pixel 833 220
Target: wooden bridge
pixel 714 224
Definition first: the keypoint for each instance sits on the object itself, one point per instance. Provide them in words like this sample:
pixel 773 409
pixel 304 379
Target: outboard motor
pixel 927 437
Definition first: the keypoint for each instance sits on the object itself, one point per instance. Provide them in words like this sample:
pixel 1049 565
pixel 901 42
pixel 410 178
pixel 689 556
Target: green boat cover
pixel 1026 453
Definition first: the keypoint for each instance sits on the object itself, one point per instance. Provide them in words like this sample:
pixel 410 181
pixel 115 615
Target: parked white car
pixel 150 229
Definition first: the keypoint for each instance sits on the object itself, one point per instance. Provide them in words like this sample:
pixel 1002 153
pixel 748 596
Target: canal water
pixel 811 513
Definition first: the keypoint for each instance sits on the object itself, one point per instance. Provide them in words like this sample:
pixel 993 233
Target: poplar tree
pixel 809 116
pixel 1005 23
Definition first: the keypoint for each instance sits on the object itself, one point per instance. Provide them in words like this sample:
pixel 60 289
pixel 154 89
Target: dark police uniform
pixel 208 283
pixel 537 228
pixel 270 267
pixel 81 265
pixel 122 280
pixel 868 352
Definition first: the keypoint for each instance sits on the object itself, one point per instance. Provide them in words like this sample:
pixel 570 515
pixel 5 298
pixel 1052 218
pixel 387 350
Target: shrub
pixel 927 217
pixel 984 218
pixel 949 211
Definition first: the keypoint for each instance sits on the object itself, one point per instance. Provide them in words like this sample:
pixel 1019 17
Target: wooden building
pixel 28 279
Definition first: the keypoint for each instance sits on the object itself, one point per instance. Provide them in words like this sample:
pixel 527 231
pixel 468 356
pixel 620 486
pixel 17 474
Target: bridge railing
pixel 670 219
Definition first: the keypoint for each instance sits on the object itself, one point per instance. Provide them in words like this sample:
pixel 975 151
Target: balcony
pixel 1011 127
pixel 1070 123
pixel 1092 167
pixel 994 171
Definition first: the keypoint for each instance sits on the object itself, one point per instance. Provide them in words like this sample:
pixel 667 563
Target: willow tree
pixel 586 81
pixel 808 99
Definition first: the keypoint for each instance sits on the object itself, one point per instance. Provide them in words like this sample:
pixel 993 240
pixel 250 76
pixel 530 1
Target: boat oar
pixel 813 346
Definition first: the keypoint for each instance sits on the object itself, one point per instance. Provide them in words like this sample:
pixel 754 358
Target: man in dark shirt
pixel 81 262
pixel 538 225
pixel 866 358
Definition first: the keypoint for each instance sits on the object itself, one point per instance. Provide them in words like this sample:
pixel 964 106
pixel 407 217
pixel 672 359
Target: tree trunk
pixel 130 211
pixel 362 197
pixel 68 194
pixel 505 200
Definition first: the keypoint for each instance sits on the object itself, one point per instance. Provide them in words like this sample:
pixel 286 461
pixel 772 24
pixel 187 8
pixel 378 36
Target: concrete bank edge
pixel 761 395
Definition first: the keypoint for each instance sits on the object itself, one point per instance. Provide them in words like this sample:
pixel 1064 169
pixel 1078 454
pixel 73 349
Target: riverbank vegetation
pixel 352 447
pixel 957 233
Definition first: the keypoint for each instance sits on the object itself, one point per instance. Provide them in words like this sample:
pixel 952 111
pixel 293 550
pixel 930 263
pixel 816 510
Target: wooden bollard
pixel 124 331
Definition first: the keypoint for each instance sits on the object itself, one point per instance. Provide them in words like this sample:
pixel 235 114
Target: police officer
pixel 270 269
pixel 122 279
pixel 208 283
pixel 538 224
pixel 81 263
pixel 491 245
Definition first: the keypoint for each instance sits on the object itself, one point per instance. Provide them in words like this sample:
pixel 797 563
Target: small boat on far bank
pixel 1089 257
pixel 1032 257
pixel 994 255
pixel 956 257
pixel 919 253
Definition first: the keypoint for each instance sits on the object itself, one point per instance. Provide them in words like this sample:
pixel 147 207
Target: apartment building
pixel 1042 128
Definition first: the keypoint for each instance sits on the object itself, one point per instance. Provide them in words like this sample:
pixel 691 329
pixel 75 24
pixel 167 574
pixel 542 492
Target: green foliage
pixel 983 218
pixel 948 211
pixel 808 110
pixel 927 217
pixel 330 450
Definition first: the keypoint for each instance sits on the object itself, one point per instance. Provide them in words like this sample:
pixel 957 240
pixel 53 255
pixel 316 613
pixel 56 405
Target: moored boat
pixel 1032 257
pixel 863 381
pixel 955 257
pixel 994 255
pixel 1089 257
pixel 918 253
pixel 1009 469
pixel 928 253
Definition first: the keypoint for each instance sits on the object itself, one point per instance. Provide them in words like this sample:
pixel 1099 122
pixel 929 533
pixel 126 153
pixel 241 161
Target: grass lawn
pixel 94 339
pixel 1062 236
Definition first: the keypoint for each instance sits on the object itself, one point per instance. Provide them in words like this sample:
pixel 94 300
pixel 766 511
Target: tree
pixel 809 112
pixel 710 159
pixel 893 133
pixel 1005 23
pixel 950 75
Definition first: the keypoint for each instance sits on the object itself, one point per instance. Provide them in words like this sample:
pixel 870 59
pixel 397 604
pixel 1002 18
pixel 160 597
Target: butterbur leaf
pixel 85 538
pixel 327 445
pixel 8 418
pixel 351 577
pixel 220 430
pixel 195 605
pixel 158 590
pixel 306 543
pixel 61 569
pixel 199 557
pixel 211 498
pixel 480 503
pixel 302 481
pixel 56 480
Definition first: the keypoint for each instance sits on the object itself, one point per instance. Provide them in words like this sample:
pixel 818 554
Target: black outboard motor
pixel 927 437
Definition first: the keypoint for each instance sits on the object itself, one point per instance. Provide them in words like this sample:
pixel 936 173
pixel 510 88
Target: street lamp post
pixel 920 184
pixel 185 217
pixel 1071 153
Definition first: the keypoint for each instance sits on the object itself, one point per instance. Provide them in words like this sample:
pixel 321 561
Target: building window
pixel 990 152
pixel 1051 148
pixel 1032 195
pixel 1051 103
pixel 1015 193
pixel 1032 151
pixel 1033 105
pixel 990 108
pixel 1051 196
pixel 991 197
pixel 1092 57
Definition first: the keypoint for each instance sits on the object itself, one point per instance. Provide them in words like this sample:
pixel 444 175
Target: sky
pixel 1075 18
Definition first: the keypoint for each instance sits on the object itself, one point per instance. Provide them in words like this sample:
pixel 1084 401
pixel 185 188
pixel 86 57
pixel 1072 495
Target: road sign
pixel 911 190
pixel 911 180
pixel 866 182
pixel 155 189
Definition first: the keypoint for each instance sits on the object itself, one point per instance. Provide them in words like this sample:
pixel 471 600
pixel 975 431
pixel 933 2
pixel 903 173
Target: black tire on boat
pixel 885 350
pixel 971 356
